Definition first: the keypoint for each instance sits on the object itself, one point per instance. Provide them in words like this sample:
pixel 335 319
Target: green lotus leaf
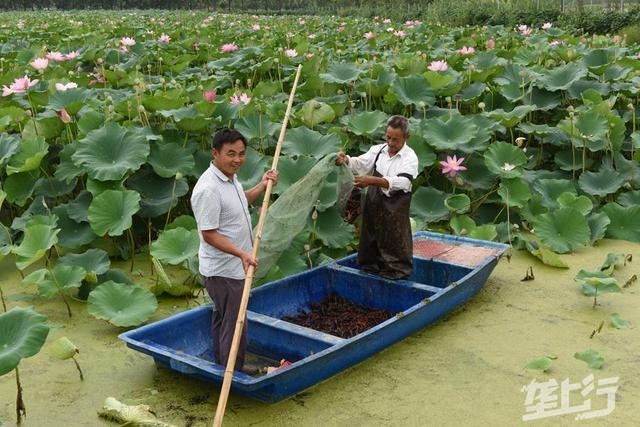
pixel 511 118
pixel 424 151
pixel 63 349
pixel 165 285
pixel 462 224
pixel 505 160
pixel 477 175
pixel 473 91
pixel 514 192
pixel 366 123
pixel 112 151
pixel 22 334
pixel 598 223
pixel 544 100
pixel 185 221
pixel 9 145
pixel 593 286
pixel 254 167
pixel 581 203
pixel 79 207
pixel 592 357
pixel 630 198
pixel 458 203
pixel 444 83
pixel 544 254
pixel 93 261
pixel 3 196
pixel 593 130
pixel 333 230
pixel 605 181
pixel 448 135
pixel 302 141
pixel 484 232
pixel 176 246
pixel 577 89
pixel 170 159
pixel 414 90
pixel 539 364
pixel 625 222
pixel 29 155
pixel 158 195
pixel 111 211
pixel 256 127
pixel 314 112
pixel 66 170
pixel 72 234
pixel 71 99
pixel 563 230
pixel 53 188
pixel 485 64
pixel 291 170
pixel 187 118
pixel 53 282
pixel 37 240
pixel 618 322
pixel 514 93
pixel 339 72
pixel 584 274
pixel 617 129
pixel 89 120
pixel 96 187
pixel 561 78
pixel 427 205
pixel 170 101
pixel 48 126
pixel 613 260
pixel 550 189
pixel 598 60
pixel 120 304
pixel 571 160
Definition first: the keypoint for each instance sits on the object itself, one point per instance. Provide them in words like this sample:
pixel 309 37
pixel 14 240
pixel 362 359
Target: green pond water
pixel 465 370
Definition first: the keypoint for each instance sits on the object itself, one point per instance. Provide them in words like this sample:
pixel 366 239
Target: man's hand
pixel 341 158
pixel 362 181
pixel 247 261
pixel 270 175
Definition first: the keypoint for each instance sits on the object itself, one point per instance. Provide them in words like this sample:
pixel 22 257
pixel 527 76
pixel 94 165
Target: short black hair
pixel 399 122
pixel 227 136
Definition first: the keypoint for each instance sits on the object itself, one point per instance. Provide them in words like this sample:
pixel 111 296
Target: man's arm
pixel 224 244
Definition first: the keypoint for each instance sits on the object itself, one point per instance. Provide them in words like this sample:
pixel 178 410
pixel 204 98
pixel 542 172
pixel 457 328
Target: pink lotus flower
pixel 452 166
pixel 209 96
pixel 290 53
pixel 311 36
pixel 228 47
pixel 400 34
pixel 127 41
pixel 491 43
pixel 547 25
pixel 386 21
pixel 20 85
pixel 308 55
pixel 164 38
pixel 301 21
pixel 62 87
pixel 255 27
pixel 39 63
pixel 369 35
pixel 524 29
pixel 64 116
pixel 243 98
pixel 56 56
pixel 438 66
pixel 556 42
pixel 72 55
pixel 340 29
pixel 466 50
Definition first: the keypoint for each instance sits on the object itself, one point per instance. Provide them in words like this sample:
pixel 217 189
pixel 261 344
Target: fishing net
pixel 288 215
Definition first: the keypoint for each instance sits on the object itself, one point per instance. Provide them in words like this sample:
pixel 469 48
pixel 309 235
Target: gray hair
pixel 399 122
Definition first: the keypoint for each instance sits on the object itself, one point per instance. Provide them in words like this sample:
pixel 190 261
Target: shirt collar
pixel 221 176
pixel 399 153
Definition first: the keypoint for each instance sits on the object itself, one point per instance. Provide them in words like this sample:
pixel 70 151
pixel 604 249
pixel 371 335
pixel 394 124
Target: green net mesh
pixel 288 215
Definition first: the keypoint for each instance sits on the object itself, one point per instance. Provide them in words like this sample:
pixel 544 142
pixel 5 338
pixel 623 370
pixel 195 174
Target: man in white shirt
pixel 386 170
pixel 221 208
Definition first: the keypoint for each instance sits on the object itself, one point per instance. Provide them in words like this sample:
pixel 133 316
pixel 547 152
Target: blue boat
pixel 447 272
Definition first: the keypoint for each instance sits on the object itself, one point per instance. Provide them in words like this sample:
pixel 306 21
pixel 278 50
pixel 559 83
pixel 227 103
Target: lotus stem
pixel 173 192
pixel 4 304
pixel 131 247
pixel 20 408
pixel 78 367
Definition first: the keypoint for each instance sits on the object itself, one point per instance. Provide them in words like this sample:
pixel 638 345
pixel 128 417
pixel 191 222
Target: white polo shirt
pixel 404 161
pixel 219 203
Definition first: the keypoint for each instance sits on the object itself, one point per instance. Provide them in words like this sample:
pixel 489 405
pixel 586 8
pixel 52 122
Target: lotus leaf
pixel 592 357
pixel 37 240
pixel 121 305
pixel 93 261
pixel 332 230
pixel 625 222
pixel 291 170
pixel 112 151
pixel 9 145
pixel 414 90
pixel 544 254
pixel 550 189
pixel 339 72
pixel 71 100
pixel 618 322
pixel 427 205
pixel 29 155
pixel 22 334
pixel 511 118
pixel 72 234
pixel 176 246
pixel 55 281
pixel 505 160
pixel 256 127
pixel 539 364
pixel 598 223
pixel 170 159
pixel 158 195
pixel 561 78
pixel 314 112
pixel 302 141
pixel 458 203
pixel 563 230
pixel 605 181
pixel 111 211
pixel 451 135
pixel 462 224
pixel 514 192
pixel 581 203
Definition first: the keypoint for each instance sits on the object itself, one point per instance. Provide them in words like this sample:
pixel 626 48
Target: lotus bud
pixel 307 247
pixel 459 181
pixel 110 109
pixel 138 67
pixel 631 107
pixel 28 112
pixel 519 141
pixel 178 176
pixel 448 99
pixel 100 60
pixel 421 104
pixel 481 105
pixel 314 215
pixel 149 66
pixel 141 108
pixel 70 73
pixel 340 92
pixel 276 60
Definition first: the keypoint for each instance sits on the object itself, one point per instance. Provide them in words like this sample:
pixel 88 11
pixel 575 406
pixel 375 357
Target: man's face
pixel 229 158
pixel 395 139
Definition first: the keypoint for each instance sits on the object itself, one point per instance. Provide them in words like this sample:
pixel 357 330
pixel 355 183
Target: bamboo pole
pixel 248 281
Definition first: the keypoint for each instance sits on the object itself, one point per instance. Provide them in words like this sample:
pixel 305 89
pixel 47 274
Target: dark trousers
pixel 226 295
